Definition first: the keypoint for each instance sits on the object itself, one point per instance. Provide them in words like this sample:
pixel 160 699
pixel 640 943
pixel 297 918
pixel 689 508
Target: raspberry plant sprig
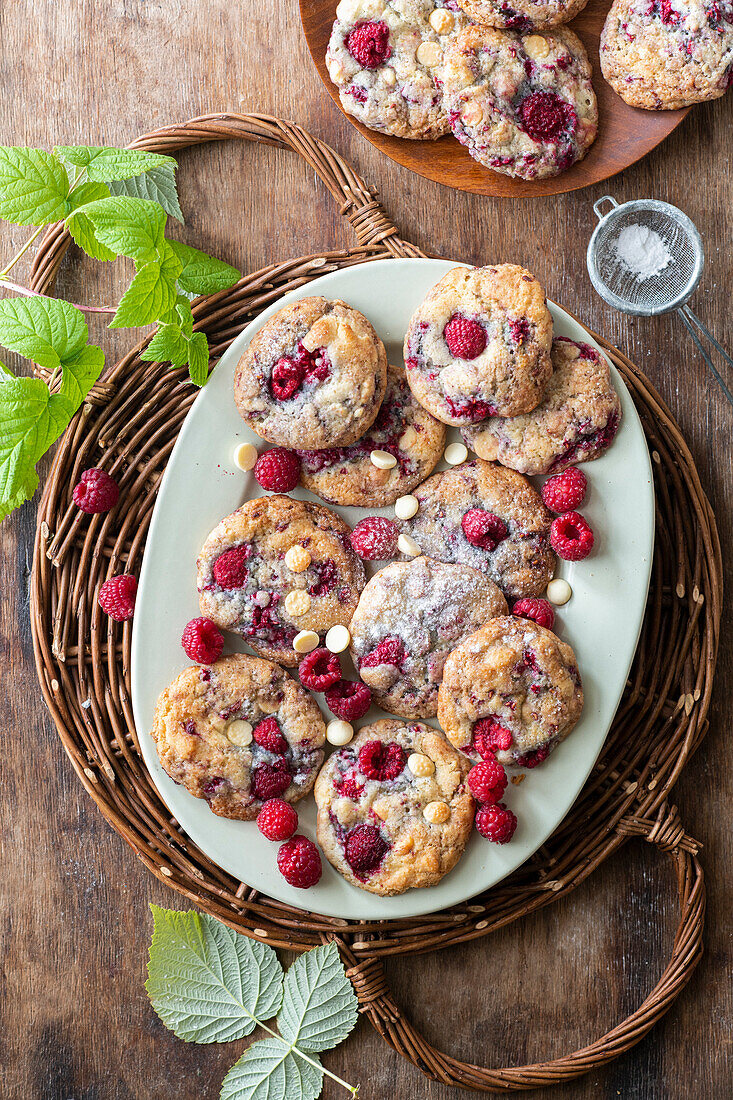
pixel 209 984
pixel 114 202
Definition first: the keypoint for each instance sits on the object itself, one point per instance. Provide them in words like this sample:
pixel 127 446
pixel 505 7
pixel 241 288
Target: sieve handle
pixel 597 206
pixel 687 317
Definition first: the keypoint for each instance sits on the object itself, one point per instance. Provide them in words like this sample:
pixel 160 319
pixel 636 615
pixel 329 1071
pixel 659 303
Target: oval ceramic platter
pixel 602 621
pixel 625 134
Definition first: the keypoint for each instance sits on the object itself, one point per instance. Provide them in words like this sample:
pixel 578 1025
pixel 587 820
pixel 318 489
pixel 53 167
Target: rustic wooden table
pixel 76 925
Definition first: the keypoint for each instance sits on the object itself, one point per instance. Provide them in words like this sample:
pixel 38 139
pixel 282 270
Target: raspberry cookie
pixel 522 15
pixel 394 810
pixel 404 429
pixel 512 689
pixel 237 733
pixel 490 518
pixel 275 567
pixel 523 105
pixel 313 376
pixel 479 345
pixel 409 618
pixel 663 55
pixel 576 421
pixel 383 57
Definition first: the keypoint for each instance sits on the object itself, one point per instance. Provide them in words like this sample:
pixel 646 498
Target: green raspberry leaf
pixel 128 227
pixel 151 296
pixel 268 1070
pixel 157 184
pixel 319 1004
pixel 201 273
pixel 104 163
pixel 78 375
pixel 207 983
pixel 167 345
pixel 185 315
pixel 47 331
pixel 198 359
pixel 34 186
pixel 79 225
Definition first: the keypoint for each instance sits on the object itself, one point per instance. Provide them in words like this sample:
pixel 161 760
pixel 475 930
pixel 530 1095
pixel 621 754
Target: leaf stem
pixel 23 251
pixel 37 294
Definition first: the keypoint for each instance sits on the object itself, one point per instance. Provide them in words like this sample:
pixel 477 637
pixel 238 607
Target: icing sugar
pixel 643 251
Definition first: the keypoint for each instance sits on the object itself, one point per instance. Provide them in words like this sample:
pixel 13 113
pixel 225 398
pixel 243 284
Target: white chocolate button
pixel 536 46
pixel 420 765
pixel 407 545
pixel 406 507
pixel 436 813
pixel 455 454
pixel 262 599
pixel 389 76
pixel 337 639
pixel 297 602
pixel 559 591
pixel 305 641
pixel 407 439
pixel 383 460
pixel 239 733
pixel 339 733
pixel 472 113
pixel 429 54
pixel 297 558
pixel 441 20
pixel 245 456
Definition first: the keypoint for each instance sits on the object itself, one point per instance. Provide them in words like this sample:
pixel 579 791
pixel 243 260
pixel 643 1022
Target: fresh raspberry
pixel 230 568
pixel 117 597
pixel 539 611
pixel 368 43
pixel 545 115
pixel 470 410
pixel 465 337
pixel 202 641
pixel 277 470
pixel 375 538
pixel 348 699
pixel 319 670
pixel 487 781
pixel 519 330
pixel 571 537
pixel 327 574
pixel 270 780
pixel 566 491
pixel 365 848
pixel 496 823
pixel 299 862
pixel 483 529
pixel 489 736
pixel 267 735
pixel 390 651
pixel 277 820
pixel 287 378
pixel 96 491
pixel 381 761
pixel 532 759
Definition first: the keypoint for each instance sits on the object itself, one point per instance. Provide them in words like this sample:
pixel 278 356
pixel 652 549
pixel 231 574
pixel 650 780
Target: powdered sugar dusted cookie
pixel 384 56
pixel 409 618
pixel 394 811
pixel 512 689
pixel 313 376
pixel 522 15
pixel 576 421
pixel 490 518
pixel 237 733
pixel 278 566
pixel 667 54
pixel 404 429
pixel 522 104
pixel 479 344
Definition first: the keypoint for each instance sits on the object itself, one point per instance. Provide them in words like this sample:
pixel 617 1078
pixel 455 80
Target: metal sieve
pixel 662 293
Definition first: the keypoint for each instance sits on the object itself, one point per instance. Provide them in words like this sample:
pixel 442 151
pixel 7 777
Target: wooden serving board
pixel 625 134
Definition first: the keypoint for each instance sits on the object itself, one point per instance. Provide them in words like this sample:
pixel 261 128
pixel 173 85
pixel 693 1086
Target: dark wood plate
pixel 625 134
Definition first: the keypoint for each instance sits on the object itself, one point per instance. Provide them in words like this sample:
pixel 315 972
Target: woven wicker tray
pixel 128 426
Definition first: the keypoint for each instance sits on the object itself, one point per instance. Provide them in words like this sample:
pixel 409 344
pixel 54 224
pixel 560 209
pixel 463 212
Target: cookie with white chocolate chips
pixel 394 809
pixel 522 15
pixel 238 732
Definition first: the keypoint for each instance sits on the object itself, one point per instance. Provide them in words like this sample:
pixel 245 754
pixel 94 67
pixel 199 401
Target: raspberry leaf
pixel 78 375
pixel 104 163
pixel 198 359
pixel 150 296
pixel 128 226
pixel 167 345
pixel 319 1005
pixel 45 330
pixel 34 186
pixel 269 1070
pixel 80 226
pixel 202 274
pixel 157 184
pixel 207 983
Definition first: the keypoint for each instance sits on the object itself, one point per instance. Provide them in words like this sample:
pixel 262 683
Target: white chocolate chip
pixel 559 591
pixel 262 599
pixel 389 77
pixel 472 114
pixel 420 765
pixel 407 439
pixel 455 454
pixel 297 558
pixel 442 20
pixel 429 54
pixel 305 641
pixel 337 639
pixel 245 456
pixel 383 460
pixel 536 46
pixel 407 545
pixel 339 733
pixel 239 733
pixel 406 507
pixel 436 813
pixel 297 602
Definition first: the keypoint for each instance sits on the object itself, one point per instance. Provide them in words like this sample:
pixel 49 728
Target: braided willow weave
pixel 129 425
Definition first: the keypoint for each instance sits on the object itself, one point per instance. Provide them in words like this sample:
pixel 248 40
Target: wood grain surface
pixel 76 1023
pixel 624 133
